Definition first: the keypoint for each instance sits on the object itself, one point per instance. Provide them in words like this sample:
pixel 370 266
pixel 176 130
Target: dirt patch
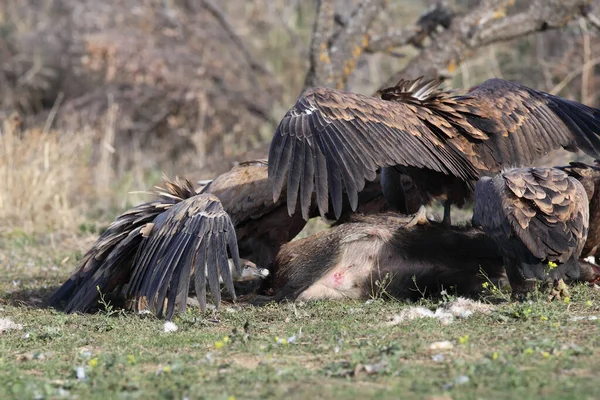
pixel 246 360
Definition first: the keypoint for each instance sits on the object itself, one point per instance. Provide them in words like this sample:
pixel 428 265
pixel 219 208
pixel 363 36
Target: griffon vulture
pixel 333 141
pixel 539 219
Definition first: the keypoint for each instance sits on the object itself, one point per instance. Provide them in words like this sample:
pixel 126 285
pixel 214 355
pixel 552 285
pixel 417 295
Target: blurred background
pixel 99 98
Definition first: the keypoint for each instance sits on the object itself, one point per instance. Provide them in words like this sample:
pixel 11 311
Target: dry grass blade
pixel 49 180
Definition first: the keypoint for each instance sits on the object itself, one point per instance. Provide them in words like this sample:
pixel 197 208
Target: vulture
pixel 155 248
pixel 539 219
pixel 390 254
pixel 589 176
pixel 332 141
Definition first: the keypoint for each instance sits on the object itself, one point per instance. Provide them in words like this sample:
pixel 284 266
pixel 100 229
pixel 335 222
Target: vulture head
pixel 249 278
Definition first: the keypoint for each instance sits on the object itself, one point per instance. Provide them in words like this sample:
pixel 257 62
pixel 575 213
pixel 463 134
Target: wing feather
pixel 543 208
pixel 108 264
pixel 534 122
pixel 355 135
pixel 199 272
pixel 195 232
pixel 499 124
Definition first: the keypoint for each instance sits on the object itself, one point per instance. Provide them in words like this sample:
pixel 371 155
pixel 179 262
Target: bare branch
pixel 334 53
pixel 485 25
pixel 438 16
pixel 218 14
pixel 321 71
pixel 593 20
pixel 573 74
pixel 392 38
pixel 541 15
pixel 352 40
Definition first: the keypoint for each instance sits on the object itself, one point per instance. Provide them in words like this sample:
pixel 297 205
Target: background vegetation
pixel 99 99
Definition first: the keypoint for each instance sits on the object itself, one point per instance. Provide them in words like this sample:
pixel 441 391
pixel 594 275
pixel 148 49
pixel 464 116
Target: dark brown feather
pixel 262 226
pixel 589 176
pixel 107 265
pixel 537 216
pixel 190 238
pixel 333 141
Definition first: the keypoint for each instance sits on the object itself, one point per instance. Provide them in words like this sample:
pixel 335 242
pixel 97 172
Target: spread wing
pixel 524 124
pixel 192 237
pixel 544 208
pixel 332 141
pixel 107 265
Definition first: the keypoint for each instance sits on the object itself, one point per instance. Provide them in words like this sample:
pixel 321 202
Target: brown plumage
pixel 262 226
pixel 539 219
pixel 151 247
pixel 155 248
pixel 407 255
pixel 401 191
pixel 589 176
pixel 190 239
pixel 331 141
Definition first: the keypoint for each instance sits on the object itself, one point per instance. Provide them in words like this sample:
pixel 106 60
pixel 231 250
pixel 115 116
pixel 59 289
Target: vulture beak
pixel 249 279
pixel 249 271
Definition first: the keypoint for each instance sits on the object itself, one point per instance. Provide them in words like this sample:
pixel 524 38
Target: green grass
pixel 338 349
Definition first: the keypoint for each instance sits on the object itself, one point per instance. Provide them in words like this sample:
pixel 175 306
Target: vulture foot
pixel 420 218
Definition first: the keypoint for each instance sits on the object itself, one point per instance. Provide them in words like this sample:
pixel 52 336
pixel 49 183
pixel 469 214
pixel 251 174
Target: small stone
pixel 170 327
pixel 443 345
pixel 80 373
